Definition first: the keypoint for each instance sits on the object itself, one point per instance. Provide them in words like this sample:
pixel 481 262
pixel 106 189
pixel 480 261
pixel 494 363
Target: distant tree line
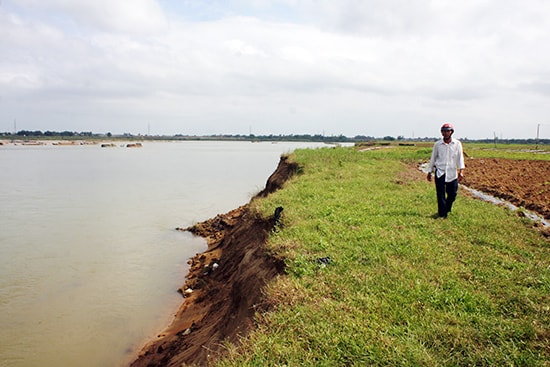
pixel 509 141
pixel 37 134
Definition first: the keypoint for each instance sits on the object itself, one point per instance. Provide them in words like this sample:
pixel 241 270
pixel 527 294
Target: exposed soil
pixel 524 183
pixel 223 289
pixel 224 285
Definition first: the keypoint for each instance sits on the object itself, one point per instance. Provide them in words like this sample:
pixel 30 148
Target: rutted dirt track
pixel 524 183
pixel 223 289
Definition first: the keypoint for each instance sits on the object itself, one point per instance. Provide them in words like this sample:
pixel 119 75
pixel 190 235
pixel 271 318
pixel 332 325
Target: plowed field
pixel 524 183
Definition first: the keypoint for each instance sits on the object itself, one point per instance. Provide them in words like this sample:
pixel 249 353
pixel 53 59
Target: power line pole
pixel 537 140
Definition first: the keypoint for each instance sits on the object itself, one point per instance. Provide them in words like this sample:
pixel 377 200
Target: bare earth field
pixel 524 183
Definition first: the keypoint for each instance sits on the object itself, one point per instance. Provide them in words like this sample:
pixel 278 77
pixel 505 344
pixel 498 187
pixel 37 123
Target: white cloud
pixel 351 67
pixel 381 18
pixel 136 16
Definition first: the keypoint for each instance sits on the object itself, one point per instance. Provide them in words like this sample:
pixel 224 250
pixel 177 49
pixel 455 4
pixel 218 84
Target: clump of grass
pixel 401 288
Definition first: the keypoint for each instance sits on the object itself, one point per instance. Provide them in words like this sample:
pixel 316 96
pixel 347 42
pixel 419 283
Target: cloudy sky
pixel 350 67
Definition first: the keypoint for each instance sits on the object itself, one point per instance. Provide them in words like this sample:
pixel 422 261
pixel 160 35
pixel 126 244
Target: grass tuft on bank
pixel 401 288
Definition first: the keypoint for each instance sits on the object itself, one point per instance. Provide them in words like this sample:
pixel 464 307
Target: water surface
pixel 89 258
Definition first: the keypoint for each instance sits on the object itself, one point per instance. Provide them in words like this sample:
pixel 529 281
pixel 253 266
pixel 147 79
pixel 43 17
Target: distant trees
pixel 29 133
pixel 48 133
pixel 37 134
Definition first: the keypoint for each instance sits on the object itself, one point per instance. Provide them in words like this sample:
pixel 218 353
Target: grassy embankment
pixel 402 288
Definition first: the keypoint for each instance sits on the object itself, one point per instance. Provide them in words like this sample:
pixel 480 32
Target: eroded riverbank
pixel 223 288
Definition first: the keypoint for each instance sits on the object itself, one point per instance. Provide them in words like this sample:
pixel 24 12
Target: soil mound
pixel 223 287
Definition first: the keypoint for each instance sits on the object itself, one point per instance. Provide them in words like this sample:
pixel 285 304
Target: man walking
pixel 448 163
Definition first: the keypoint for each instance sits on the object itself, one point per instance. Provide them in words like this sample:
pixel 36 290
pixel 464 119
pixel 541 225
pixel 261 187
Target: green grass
pixel 509 151
pixel 402 288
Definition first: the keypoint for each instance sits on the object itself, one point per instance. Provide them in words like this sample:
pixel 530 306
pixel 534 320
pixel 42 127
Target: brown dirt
pixel 223 301
pixel 524 183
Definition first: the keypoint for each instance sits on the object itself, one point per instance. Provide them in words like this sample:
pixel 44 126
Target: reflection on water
pixel 89 258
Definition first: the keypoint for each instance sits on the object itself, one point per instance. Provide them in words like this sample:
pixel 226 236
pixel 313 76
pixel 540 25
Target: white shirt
pixel 447 159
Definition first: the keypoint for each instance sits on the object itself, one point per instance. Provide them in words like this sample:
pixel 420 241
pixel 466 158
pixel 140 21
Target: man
pixel 448 163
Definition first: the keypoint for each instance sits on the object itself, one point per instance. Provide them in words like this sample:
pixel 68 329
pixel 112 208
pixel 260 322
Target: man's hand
pixel 429 176
pixel 460 175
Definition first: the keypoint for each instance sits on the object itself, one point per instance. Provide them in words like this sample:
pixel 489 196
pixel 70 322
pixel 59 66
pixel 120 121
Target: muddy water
pixel 89 258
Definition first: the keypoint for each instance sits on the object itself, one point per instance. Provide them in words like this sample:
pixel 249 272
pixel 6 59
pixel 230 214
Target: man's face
pixel 446 134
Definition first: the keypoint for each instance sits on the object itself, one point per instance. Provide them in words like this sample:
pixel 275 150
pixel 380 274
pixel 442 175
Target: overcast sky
pixel 350 67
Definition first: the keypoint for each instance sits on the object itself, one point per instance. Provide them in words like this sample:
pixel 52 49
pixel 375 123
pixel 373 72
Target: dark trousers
pixel 446 195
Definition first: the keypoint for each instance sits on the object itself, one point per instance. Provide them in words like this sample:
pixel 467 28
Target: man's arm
pixel 432 163
pixel 461 165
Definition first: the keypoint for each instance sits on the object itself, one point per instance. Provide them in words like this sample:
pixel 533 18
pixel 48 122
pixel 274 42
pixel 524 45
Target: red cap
pixel 447 127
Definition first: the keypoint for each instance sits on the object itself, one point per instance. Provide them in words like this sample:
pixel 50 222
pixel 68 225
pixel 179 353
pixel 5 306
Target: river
pixel 89 258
